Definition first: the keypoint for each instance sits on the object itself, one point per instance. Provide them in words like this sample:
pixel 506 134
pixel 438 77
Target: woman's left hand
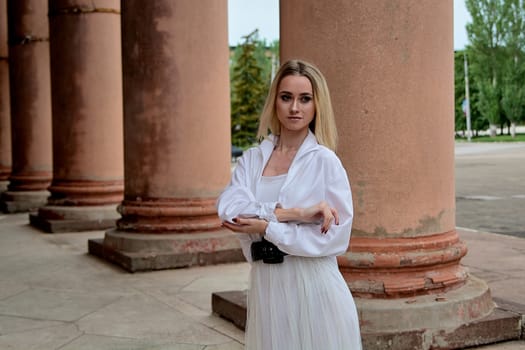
pixel 246 225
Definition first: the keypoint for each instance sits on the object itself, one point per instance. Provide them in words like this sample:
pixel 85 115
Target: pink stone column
pixel 86 81
pixel 30 106
pixel 5 110
pixel 389 66
pixel 176 136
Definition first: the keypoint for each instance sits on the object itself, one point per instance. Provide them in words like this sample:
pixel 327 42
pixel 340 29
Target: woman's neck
pixel 290 141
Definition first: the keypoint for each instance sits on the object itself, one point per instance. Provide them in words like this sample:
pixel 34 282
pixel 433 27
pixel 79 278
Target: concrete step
pixel 505 323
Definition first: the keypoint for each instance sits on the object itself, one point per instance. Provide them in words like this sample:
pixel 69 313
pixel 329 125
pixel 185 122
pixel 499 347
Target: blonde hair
pixel 323 125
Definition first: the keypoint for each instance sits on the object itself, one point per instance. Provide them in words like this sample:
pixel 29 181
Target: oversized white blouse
pixel 316 174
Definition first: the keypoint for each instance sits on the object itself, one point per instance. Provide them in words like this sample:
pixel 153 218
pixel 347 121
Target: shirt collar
pixel 268 144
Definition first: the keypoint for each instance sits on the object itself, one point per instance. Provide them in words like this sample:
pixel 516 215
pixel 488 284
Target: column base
pixel 147 251
pixel 445 321
pixel 22 201
pixel 3 186
pixel 56 219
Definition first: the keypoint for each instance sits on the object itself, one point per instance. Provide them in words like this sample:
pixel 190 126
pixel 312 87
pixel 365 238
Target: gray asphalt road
pixel 490 187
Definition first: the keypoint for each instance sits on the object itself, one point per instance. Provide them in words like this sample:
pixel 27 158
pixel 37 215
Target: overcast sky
pixel 247 15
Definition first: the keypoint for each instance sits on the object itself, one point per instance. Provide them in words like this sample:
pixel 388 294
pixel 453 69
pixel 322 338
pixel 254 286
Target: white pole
pixel 467 97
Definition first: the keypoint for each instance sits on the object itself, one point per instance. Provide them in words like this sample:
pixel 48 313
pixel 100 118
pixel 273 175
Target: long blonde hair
pixel 323 125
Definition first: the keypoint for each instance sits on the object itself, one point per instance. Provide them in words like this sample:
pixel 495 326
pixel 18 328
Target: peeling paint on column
pixel 427 225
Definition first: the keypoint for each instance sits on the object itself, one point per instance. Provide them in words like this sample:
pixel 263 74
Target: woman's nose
pixel 294 107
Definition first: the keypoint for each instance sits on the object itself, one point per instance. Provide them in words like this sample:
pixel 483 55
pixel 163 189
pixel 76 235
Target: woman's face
pixel 294 104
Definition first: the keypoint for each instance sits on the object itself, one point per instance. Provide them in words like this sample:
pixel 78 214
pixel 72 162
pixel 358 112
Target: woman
pixel 290 203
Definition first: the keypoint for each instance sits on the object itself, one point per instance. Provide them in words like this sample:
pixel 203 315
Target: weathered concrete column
pixel 86 81
pixel 176 137
pixel 389 66
pixel 29 80
pixel 5 109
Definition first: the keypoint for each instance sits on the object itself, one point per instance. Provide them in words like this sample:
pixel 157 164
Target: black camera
pixel 267 252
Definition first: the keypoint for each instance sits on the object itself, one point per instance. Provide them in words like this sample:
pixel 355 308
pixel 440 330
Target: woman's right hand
pixel 321 211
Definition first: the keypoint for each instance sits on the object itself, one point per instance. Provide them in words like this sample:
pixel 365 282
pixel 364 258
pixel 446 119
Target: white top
pixel 316 174
pixel 270 186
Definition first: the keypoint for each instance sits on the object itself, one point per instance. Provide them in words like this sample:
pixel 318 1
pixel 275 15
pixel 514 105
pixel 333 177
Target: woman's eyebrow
pixel 301 94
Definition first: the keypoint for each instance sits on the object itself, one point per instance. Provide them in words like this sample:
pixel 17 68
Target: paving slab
pixel 54 304
pixel 15 324
pixel 499 260
pixel 144 317
pixel 48 338
pixel 90 342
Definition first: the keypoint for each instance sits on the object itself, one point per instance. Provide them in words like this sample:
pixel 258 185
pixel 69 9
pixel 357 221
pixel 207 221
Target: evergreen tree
pixel 268 58
pixel 248 90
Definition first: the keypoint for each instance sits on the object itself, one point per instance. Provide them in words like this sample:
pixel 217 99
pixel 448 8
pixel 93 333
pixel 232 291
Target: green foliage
pixel 489 100
pixel 477 121
pixel 250 72
pixel 486 36
pixel 513 101
pixel 513 92
pixel 267 55
pixel 497 58
pixel 498 138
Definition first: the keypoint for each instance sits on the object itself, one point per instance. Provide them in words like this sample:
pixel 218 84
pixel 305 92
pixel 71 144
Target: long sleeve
pixel 238 199
pixel 306 239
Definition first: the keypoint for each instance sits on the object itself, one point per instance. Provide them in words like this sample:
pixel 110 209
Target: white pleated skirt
pixel 301 304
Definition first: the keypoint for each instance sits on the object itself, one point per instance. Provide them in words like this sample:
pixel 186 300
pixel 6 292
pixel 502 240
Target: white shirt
pixel 316 174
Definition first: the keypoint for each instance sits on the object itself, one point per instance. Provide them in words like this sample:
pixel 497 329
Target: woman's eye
pixel 285 98
pixel 306 99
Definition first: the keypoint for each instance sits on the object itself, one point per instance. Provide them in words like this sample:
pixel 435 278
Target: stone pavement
pixel 53 295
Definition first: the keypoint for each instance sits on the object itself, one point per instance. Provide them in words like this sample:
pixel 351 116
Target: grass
pixel 498 138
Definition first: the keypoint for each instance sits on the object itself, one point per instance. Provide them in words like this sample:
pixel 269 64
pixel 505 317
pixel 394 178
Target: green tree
pixel 486 51
pixel 513 91
pixel 478 122
pixel 489 103
pixel 248 90
pixel 268 57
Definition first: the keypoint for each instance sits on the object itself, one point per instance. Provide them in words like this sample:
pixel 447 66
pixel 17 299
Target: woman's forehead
pixel 295 84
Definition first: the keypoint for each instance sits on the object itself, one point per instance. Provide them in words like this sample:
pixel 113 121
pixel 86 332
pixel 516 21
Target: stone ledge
pixel 61 226
pixel 504 323
pixel 231 305
pixel 446 310
pixel 207 249
pixel 22 201
pixel 12 207
pixel 499 326
pixel 518 309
